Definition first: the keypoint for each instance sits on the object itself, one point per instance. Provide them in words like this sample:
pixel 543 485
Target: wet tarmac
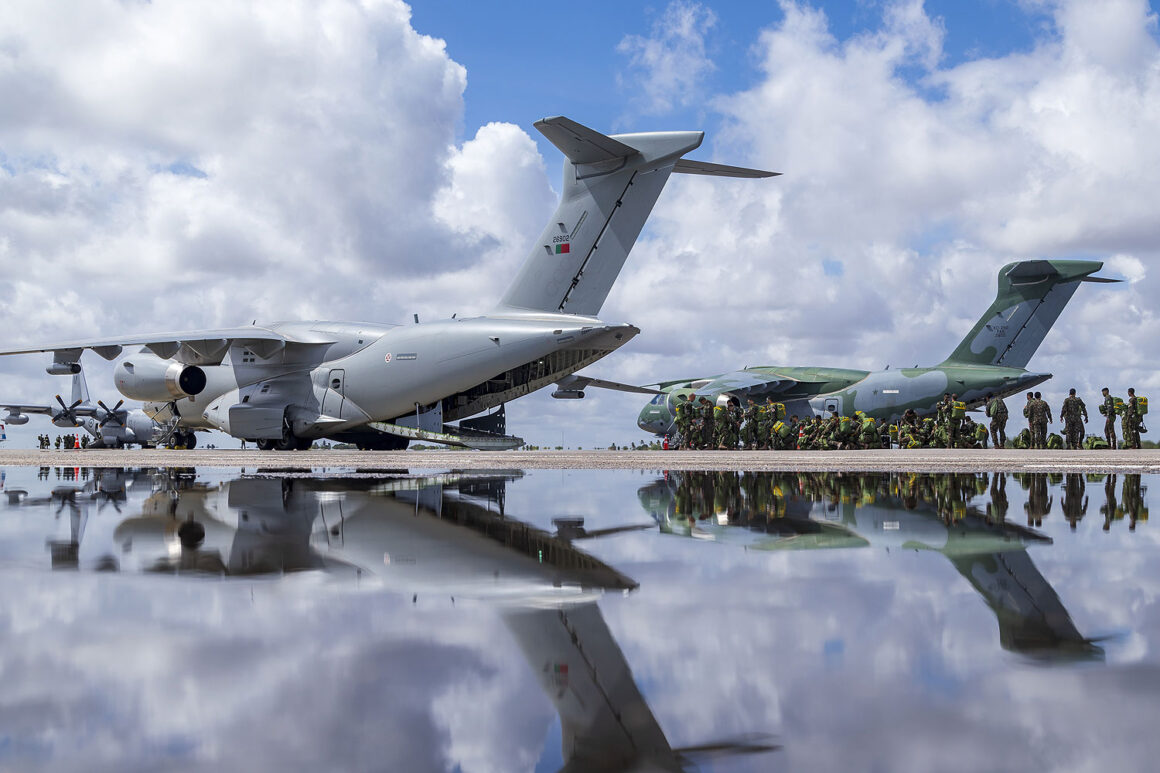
pixel 919 460
pixel 210 618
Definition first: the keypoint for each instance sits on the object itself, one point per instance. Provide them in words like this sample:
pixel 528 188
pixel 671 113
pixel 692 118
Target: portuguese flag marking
pixel 562 248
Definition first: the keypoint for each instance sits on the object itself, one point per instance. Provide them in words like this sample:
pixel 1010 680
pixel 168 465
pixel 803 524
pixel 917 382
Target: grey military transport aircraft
pixel 110 427
pixel 377 385
pixel 991 358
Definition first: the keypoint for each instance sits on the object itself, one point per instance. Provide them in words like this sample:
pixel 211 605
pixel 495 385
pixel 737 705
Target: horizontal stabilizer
pixel 1101 279
pixel 582 145
pixel 685 166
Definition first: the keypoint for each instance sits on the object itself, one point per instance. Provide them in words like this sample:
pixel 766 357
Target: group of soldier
pixel 1074 415
pixel 701 424
pixel 758 500
pixel 63 441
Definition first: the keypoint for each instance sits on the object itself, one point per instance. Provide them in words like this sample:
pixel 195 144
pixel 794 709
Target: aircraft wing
pixel 47 410
pixel 191 346
pixel 749 383
pixel 576 382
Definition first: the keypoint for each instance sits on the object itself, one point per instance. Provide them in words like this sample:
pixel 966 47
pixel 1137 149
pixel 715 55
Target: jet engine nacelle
pixel 568 394
pixel 16 418
pixel 147 377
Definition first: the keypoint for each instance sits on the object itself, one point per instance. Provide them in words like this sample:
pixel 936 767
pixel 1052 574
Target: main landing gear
pixel 288 442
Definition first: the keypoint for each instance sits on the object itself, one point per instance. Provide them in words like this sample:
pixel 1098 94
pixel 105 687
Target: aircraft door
pixel 332 399
pixel 831 405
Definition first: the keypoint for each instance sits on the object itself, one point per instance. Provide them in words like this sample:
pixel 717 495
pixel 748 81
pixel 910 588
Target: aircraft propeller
pixel 67 412
pixel 111 413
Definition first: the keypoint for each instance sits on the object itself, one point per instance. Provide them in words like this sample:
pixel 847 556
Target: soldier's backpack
pixel 1141 405
pixel 781 429
pixel 1121 406
pixel 844 425
pixel 1054 441
pixel 1023 439
pixel 778 410
pixel 980 433
pixel 1093 443
pixel 958 409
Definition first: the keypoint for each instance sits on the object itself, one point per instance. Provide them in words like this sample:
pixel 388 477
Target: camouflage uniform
pixel 749 426
pixel 997 410
pixel 1073 408
pixel 707 424
pixel 684 423
pixel 1030 422
pixel 1109 412
pixel 1039 417
pixel 1131 425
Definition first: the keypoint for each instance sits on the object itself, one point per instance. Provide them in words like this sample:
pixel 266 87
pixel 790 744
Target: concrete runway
pixel 918 460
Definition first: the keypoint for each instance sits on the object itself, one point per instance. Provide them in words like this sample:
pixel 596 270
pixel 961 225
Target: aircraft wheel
pixel 304 444
pixel 190 439
pixel 265 445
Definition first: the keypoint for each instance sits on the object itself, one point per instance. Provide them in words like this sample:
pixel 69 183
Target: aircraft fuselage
pixel 881 394
pixel 354 373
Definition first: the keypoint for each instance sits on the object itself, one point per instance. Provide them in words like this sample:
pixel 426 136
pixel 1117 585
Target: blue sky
pixel 530 59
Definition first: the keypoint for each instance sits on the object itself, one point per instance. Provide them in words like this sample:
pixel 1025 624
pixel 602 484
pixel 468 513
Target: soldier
pixel 942 412
pixel 953 424
pixel 1131 426
pixel 997 410
pixel 1041 417
pixel 1108 409
pixel 794 428
pixel 684 421
pixel 1072 409
pixel 705 436
pixel 749 427
pixel 1027 415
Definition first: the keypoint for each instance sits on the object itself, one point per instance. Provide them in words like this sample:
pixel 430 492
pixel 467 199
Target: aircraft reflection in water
pixel 811 511
pixel 446 535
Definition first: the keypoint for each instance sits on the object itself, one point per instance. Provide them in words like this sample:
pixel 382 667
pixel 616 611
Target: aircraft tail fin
pixel 80 388
pixel 610 186
pixel 1030 298
pixel 605 721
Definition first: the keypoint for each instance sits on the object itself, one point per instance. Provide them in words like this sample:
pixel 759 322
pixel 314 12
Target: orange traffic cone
pixel 76 441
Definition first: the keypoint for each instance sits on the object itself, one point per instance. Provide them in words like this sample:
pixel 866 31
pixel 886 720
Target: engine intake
pixel 150 379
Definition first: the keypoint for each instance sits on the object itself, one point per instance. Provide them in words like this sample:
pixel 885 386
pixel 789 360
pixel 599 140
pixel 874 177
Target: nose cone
pixel 656 418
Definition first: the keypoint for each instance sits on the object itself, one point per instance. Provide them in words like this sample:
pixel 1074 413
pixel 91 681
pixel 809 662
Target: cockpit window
pixel 658 400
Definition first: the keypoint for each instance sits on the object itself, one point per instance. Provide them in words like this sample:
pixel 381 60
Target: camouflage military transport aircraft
pixel 378 386
pixel 992 358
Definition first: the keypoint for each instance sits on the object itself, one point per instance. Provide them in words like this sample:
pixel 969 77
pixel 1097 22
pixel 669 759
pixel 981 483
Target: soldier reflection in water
pixel 1108 509
pixel 1038 502
pixel 1133 498
pixel 997 507
pixel 1075 502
